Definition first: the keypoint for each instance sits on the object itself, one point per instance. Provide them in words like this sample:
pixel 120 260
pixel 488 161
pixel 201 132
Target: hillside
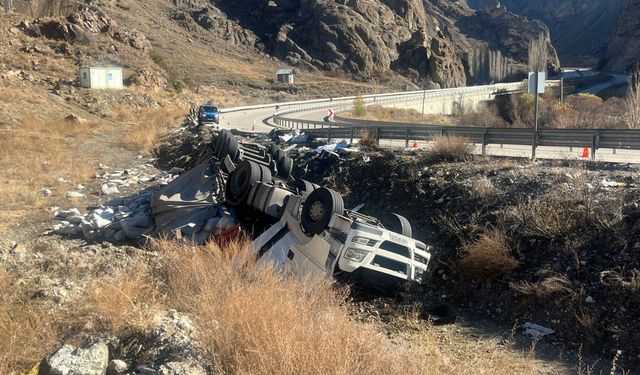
pixel 624 46
pixel 434 43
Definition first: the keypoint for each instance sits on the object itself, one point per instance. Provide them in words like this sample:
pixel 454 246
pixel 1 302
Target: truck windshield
pixel 209 109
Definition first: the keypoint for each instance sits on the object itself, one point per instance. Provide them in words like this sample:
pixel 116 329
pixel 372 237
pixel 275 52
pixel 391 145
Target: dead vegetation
pixel 450 148
pixel 36 155
pixel 149 126
pixel 487 257
pixel 249 320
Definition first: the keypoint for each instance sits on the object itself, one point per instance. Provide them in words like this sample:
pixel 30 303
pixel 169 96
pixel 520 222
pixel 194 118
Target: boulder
pixel 69 360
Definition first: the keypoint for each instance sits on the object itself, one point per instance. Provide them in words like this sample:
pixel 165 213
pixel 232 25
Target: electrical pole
pixel 8 6
pixel 535 116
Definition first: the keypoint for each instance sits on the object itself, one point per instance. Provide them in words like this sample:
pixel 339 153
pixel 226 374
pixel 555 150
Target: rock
pixel 145 370
pixel 589 299
pixel 117 366
pixel 73 119
pixel 181 368
pixel 108 189
pixel 69 360
pixel 67 213
pixel 47 192
pixel 75 195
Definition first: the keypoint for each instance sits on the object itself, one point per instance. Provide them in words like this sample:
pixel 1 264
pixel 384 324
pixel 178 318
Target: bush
pixel 451 148
pixel 487 257
pixel 368 139
pixel 359 108
pixel 485 116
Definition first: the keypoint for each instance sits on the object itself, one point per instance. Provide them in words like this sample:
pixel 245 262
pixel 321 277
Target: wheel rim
pixel 317 210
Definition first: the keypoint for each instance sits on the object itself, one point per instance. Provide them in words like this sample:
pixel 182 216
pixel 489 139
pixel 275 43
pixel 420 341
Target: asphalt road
pixel 261 121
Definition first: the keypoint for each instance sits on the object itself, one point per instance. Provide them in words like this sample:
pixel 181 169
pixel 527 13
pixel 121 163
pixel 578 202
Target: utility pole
pixel 8 6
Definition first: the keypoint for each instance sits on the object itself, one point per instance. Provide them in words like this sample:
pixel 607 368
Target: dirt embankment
pixel 551 243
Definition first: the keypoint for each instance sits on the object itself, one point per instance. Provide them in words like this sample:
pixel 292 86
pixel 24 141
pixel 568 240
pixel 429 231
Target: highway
pixel 259 119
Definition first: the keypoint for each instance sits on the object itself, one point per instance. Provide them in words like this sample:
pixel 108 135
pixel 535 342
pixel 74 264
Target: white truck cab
pixel 353 247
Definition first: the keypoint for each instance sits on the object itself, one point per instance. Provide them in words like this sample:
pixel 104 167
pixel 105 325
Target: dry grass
pixel 552 286
pixel 149 126
pixel 35 155
pixel 257 321
pixel 25 327
pixel 404 115
pixel 368 139
pixel 487 257
pixel 250 320
pixel 451 148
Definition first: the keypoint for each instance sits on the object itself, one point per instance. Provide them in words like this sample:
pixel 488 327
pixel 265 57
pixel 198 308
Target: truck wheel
pixel 265 174
pixel 221 150
pixel 234 149
pixel 285 167
pixel 240 181
pixel 318 209
pixel 305 186
pixel 217 143
pixel 398 224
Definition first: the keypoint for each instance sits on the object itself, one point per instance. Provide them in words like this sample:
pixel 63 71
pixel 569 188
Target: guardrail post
pixel 534 144
pixel 378 135
pixel 594 145
pixel 351 134
pixel 406 139
pixel 329 138
pixel 484 142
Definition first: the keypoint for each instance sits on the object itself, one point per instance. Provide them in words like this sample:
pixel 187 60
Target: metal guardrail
pixel 346 128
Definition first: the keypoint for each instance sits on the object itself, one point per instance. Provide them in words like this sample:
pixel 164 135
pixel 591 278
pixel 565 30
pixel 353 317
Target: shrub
pixel 451 148
pixel 368 139
pixel 487 257
pixel 359 108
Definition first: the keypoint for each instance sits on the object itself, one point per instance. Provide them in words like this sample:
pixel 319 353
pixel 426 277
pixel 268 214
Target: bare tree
pixel 538 53
pixel 632 101
pixel 8 6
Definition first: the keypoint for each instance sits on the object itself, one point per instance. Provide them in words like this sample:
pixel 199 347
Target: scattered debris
pixel 536 331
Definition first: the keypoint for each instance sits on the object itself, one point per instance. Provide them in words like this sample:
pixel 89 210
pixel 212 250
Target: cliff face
pixel 440 43
pixel 624 49
pixel 580 30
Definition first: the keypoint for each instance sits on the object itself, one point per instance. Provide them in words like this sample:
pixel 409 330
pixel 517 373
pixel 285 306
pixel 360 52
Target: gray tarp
pixel 187 203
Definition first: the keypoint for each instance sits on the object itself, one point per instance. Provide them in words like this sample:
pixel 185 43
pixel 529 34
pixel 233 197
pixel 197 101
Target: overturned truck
pixel 299 225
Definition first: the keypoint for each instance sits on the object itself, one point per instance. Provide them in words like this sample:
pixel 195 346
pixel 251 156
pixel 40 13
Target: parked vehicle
pixel 207 114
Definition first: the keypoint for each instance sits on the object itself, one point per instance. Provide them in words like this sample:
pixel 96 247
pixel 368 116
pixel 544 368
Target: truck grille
pixel 396 248
pixel 389 264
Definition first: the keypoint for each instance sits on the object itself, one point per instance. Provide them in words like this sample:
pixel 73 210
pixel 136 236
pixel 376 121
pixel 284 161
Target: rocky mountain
pixel 434 43
pixel 624 48
pixel 580 30
pixel 441 43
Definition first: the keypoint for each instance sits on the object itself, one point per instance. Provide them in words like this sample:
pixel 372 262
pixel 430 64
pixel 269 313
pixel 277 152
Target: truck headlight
pixel 419 274
pixel 355 254
pixel 364 241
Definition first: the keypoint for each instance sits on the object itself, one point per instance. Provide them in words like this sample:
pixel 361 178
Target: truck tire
pixel 318 209
pixel 234 149
pixel 285 167
pixel 241 180
pixel 305 186
pixel 265 174
pixel 221 151
pixel 398 224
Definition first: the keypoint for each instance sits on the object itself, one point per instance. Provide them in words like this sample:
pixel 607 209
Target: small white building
pixel 285 76
pixel 101 77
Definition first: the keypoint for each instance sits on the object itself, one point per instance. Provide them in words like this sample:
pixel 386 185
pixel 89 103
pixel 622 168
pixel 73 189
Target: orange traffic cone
pixel 585 152
pixel 415 145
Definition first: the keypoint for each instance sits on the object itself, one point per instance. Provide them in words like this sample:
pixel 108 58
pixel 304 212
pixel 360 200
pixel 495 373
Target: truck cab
pixel 353 247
